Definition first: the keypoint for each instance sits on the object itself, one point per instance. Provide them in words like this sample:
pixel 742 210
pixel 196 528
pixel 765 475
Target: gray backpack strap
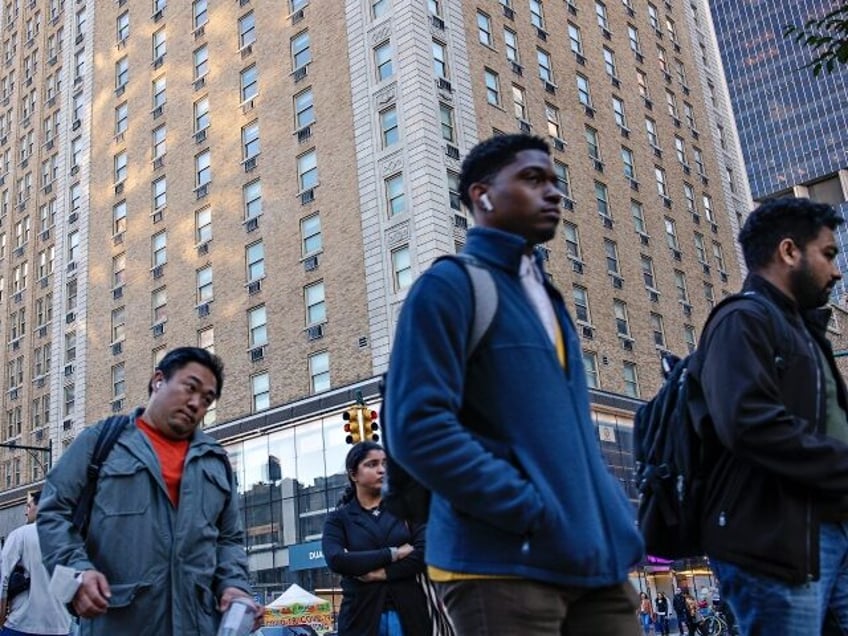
pixel 485 298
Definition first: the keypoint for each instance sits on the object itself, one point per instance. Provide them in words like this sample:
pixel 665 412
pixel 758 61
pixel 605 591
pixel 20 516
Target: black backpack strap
pixel 109 433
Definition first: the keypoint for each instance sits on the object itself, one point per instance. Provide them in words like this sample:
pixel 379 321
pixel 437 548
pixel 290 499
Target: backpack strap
pixel 109 433
pixel 485 294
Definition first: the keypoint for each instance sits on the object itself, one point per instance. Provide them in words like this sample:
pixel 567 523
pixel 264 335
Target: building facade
pixel 266 179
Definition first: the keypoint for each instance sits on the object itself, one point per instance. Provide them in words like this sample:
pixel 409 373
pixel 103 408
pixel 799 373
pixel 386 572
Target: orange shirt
pixel 171 454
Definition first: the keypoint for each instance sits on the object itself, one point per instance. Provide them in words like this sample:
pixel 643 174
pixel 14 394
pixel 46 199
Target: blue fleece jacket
pixel 504 440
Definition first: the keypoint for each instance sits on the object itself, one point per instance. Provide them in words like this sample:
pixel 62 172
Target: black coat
pixel 776 472
pixel 356 542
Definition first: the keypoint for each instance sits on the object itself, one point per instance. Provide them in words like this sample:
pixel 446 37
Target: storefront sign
pixel 306 556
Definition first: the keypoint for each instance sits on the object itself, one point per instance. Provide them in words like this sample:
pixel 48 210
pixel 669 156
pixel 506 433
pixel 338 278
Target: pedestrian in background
pixel 775 523
pixel 378 555
pixel 661 607
pixel 528 532
pixel 679 604
pixel 34 611
pixel 164 554
pixel 646 613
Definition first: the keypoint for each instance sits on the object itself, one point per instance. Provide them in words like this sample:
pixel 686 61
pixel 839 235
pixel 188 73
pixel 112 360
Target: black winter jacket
pixel 775 471
pixel 356 543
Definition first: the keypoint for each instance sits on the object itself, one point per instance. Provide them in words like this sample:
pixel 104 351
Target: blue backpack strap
pixel 485 294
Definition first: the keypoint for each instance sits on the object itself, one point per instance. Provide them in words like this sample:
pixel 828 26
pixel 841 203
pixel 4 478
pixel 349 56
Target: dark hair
pixel 489 157
pixel 35 495
pixel 776 219
pixel 177 358
pixel 355 456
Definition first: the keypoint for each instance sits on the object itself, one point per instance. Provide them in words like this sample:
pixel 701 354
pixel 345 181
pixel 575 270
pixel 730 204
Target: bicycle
pixel 715 625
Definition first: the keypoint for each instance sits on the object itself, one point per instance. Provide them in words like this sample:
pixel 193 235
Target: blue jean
pixel 766 606
pixel 390 624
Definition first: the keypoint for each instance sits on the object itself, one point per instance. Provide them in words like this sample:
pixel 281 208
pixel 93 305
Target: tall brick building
pixel 267 178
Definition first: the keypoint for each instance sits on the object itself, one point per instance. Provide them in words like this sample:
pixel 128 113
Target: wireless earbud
pixel 159 384
pixel 484 201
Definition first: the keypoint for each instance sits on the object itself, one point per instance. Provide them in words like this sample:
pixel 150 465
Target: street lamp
pixel 31 450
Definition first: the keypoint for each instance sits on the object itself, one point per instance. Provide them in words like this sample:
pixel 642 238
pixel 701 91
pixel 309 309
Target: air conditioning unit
pixel 117 348
pixel 203 310
pixel 257 353
pixel 158 329
pixel 200 136
pixel 254 287
pixel 307 196
pixel 315 332
pixel 588 332
pixel 250 164
pixel 310 263
pixel 251 224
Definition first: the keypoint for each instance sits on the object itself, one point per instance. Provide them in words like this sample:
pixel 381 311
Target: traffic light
pixel 370 425
pixel 353 425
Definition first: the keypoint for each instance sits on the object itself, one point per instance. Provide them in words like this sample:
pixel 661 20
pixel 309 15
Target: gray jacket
pixel 166 567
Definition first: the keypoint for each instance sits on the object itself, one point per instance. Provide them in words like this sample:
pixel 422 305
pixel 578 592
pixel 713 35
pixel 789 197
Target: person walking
pixel 661 606
pixel 35 611
pixel 164 554
pixel 378 555
pixel 775 520
pixel 679 604
pixel 646 613
pixel 528 531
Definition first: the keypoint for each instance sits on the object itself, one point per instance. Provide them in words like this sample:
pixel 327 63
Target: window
pixel 307 170
pixel 633 37
pixel 319 371
pixel 493 91
pixel 379 8
pixel 250 140
pixel 159 45
pixel 709 295
pixel 249 83
pixel 453 190
pixel 583 94
pixel 484 29
pixel 631 381
pixel 622 324
pixel 383 60
pixel 519 103
pixel 73 252
pixel 651 130
pixel 206 339
pixel 718 255
pixel 401 268
pixel 602 199
pixel 671 104
pixel 435 6
pixel 662 189
pixel 120 165
pixel 119 320
pixel 300 52
pixel 247 30
pixel 700 250
pixel 618 113
pixel 440 56
pixel 545 68
pixel 627 162
pixel 581 304
pixel 648 272
pixel 254 257
pixel 395 197
pixel 389 127
pixel 680 149
pixel 658 329
pixel 204 284
pixel 159 249
pixel 257 326
pixel 575 39
pixel 316 308
pixel 252 199
pixel 563 178
pixel 201 62
pixel 611 251
pixel 122 67
pixel 199 12
pixel 554 125
pixel 572 241
pixel 663 62
pixel 689 337
pixel 537 17
pixel 304 113
pixel 708 208
pixel 201 114
pixel 653 17
pixel 122 26
pixel 159 304
pixel 260 391
pixel 160 193
pixel 511 45
pixel 689 195
pixel 447 122
pixel 601 15
pixel 689 113
pixel 680 286
pixel 638 215
pixel 592 143
pixel 310 233
pixel 22 231
pixel 203 225
pixel 590 366
pixel 699 161
pixel 671 233
pixel 609 63
pixel 159 92
pixel 642 83
pixel 119 267
pixel 121 118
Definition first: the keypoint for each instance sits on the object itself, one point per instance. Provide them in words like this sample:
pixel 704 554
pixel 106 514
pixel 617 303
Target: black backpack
pixel 403 495
pixel 673 444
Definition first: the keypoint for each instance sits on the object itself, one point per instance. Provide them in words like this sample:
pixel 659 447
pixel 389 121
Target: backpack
pixel 403 496
pixel 673 446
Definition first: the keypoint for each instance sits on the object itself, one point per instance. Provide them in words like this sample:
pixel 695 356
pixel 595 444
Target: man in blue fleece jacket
pixel 528 532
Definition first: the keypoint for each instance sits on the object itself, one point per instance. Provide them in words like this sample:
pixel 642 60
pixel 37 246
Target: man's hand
pixel 93 594
pixel 374 575
pixel 405 550
pixel 231 593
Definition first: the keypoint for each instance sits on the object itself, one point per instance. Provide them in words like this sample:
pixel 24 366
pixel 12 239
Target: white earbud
pixel 484 201
pixel 159 384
